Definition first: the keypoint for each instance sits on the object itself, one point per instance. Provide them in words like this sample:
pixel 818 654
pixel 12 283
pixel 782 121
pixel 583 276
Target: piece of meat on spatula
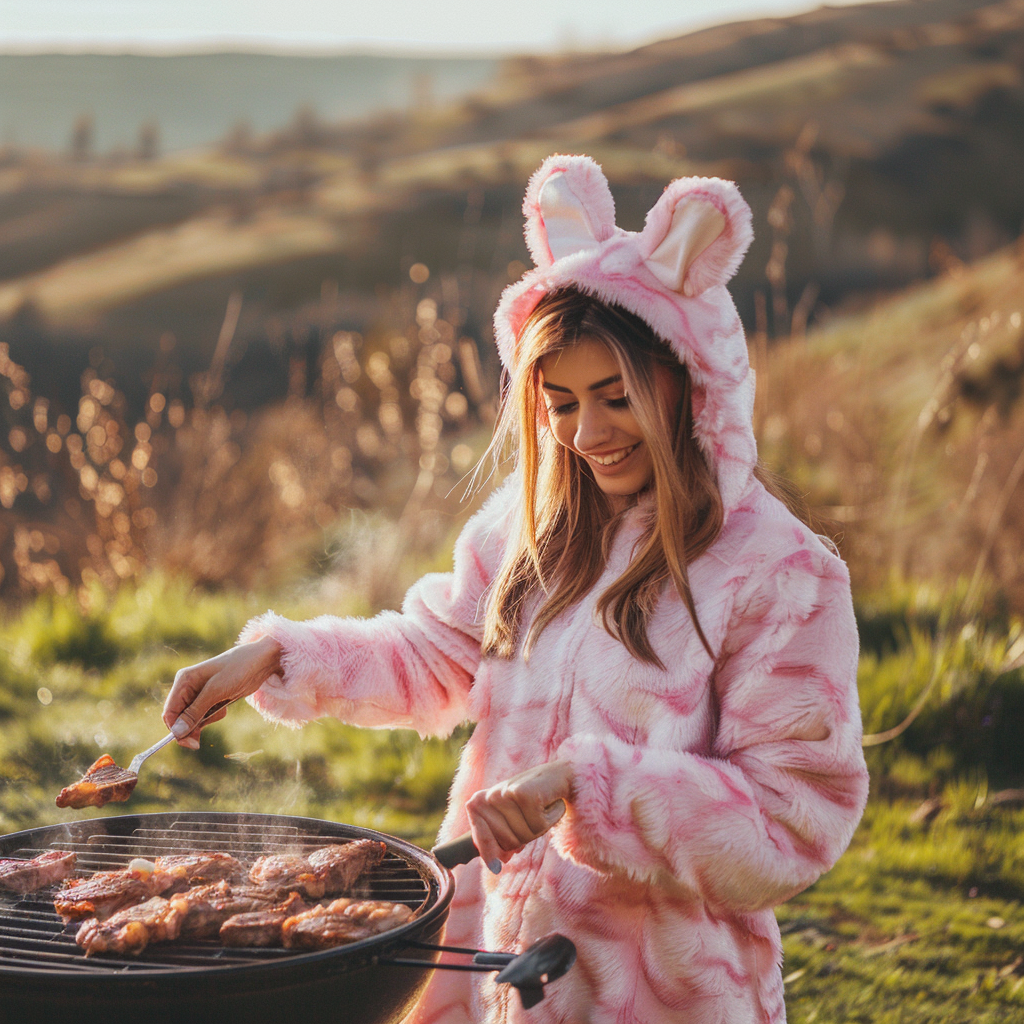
pixel 103 783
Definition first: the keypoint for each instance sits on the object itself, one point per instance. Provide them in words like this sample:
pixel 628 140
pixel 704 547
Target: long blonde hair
pixel 567 526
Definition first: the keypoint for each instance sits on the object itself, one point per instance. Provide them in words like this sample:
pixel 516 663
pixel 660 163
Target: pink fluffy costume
pixel 705 793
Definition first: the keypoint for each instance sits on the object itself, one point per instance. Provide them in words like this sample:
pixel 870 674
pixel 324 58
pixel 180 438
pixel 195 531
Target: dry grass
pixel 391 422
pixel 904 426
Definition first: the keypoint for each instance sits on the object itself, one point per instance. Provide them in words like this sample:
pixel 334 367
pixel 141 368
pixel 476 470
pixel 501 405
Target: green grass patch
pixel 919 922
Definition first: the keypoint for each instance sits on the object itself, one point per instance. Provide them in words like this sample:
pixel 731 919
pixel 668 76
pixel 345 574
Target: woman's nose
pixel 593 428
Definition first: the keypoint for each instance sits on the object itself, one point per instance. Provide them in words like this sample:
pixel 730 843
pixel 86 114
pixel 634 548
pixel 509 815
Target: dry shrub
pixel 391 421
pixel 905 428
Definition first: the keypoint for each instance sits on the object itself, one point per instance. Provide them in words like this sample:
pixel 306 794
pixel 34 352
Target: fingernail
pixel 192 743
pixel 181 728
pixel 556 813
pixel 494 866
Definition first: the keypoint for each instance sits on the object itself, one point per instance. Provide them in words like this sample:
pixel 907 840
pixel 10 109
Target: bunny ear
pixel 568 208
pixel 696 234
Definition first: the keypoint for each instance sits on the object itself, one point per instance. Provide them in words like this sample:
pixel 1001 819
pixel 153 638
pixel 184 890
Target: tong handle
pixel 456 851
pixel 462 849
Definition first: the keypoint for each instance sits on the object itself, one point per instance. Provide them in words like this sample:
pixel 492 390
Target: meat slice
pixel 103 783
pixel 103 894
pixel 342 921
pixel 261 927
pixel 340 867
pixel 182 870
pixel 132 929
pixel 327 871
pixel 29 875
pixel 284 872
pixel 207 907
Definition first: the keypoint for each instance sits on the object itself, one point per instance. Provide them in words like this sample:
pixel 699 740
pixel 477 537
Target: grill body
pixel 43 973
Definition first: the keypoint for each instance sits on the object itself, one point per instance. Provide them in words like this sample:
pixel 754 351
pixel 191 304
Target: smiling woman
pixel 614 408
pixel 659 657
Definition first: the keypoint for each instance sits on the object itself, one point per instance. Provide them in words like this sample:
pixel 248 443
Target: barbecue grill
pixel 44 973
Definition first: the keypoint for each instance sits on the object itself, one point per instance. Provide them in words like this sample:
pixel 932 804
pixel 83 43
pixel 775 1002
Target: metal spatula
pixel 105 783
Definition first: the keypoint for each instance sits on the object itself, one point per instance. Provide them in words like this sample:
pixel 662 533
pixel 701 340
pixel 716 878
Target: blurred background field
pixel 256 370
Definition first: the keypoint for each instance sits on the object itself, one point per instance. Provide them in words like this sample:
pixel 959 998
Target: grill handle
pixel 528 972
pixel 456 851
pixel 547 959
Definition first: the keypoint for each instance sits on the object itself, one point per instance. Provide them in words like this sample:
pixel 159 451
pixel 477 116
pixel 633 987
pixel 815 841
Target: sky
pixel 454 26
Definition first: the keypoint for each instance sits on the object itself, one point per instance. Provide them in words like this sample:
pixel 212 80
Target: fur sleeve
pixel 411 669
pixel 778 798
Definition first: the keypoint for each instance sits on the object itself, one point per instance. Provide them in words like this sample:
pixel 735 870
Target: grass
pixel 75 684
pixel 919 921
pixel 915 924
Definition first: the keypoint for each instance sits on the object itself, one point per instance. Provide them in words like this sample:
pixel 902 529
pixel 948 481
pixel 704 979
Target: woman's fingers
pixel 493 836
pixel 187 703
pixel 192 739
pixel 188 684
pixel 511 814
pixel 198 689
pixel 228 677
pixel 485 842
pixel 530 809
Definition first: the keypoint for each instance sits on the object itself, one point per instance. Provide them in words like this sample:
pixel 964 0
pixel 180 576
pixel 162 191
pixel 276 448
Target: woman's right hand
pixel 228 677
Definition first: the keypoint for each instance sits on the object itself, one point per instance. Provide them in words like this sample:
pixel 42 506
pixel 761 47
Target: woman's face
pixel 589 414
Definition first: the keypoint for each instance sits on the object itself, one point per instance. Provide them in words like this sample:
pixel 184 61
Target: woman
pixel 659 657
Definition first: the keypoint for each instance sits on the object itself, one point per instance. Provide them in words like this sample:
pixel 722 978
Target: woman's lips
pixel 623 457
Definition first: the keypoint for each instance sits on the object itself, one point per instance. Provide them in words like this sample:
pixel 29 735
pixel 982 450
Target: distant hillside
pixel 905 426
pixel 197 99
pixel 878 145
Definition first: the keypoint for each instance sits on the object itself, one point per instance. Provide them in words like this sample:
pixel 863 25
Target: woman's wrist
pixel 271 653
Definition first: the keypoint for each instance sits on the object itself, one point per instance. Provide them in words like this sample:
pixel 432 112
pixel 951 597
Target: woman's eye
pixel 562 410
pixel 619 403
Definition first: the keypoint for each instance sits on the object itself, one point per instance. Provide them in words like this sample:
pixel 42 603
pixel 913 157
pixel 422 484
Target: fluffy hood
pixel 672 274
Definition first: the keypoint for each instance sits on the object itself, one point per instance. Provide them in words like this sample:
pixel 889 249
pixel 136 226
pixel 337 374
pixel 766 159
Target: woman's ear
pixel 696 234
pixel 568 208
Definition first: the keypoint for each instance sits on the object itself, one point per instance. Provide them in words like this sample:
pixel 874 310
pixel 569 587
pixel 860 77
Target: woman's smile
pixel 611 461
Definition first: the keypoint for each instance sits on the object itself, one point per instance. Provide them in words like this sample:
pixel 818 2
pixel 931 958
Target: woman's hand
pixel 227 677
pixel 513 813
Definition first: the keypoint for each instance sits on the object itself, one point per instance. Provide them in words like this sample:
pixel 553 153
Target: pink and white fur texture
pixel 705 793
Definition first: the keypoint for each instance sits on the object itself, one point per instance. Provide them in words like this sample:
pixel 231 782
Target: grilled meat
pixel 342 921
pixel 340 867
pixel 261 927
pixel 324 872
pixel 104 894
pixel 285 872
pixel 131 930
pixel 183 870
pixel 29 875
pixel 207 907
pixel 102 783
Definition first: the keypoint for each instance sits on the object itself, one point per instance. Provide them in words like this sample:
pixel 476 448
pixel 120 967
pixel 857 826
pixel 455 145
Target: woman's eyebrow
pixel 596 386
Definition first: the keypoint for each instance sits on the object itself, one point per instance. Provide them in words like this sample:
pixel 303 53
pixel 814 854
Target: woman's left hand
pixel 513 813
